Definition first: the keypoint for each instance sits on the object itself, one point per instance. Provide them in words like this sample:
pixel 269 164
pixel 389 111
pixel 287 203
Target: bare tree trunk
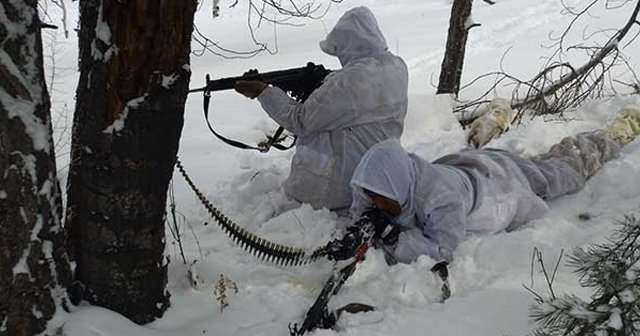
pixel 134 76
pixel 34 269
pixel 451 69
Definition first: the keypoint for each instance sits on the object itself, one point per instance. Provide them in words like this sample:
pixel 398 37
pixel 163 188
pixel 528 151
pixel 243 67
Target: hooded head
pixel 356 35
pixel 387 170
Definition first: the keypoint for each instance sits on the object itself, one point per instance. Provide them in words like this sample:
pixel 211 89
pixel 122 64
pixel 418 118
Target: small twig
pixel 174 226
pixel 271 11
pixel 193 233
pixel 538 296
pixel 544 272
pixel 549 280
pixel 47 26
pixel 555 269
pixel 473 25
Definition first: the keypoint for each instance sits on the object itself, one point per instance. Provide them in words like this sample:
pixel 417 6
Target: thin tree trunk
pixel 134 76
pixel 34 269
pixel 451 69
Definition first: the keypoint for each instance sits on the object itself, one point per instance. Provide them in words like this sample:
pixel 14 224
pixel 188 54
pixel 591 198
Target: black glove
pixel 345 248
pixel 372 224
pixel 384 228
pixel 250 88
pixel 443 272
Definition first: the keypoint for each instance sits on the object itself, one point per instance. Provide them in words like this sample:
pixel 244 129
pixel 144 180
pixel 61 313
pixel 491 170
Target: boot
pixel 626 127
pixel 493 122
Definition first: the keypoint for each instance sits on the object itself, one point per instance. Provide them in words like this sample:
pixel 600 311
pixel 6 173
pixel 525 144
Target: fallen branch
pixel 560 85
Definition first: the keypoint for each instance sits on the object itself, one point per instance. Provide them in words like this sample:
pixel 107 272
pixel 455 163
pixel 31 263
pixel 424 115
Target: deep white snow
pixel 488 273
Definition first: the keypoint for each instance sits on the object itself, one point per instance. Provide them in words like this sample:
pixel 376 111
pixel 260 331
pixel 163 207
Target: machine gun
pixel 374 224
pixel 373 228
pixel 298 82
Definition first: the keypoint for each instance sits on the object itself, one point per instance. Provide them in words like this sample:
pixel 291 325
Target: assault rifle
pixel 373 224
pixel 298 82
pixel 375 228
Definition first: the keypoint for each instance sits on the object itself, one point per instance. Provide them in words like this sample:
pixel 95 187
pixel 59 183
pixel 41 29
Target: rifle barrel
pixel 197 90
pixel 278 78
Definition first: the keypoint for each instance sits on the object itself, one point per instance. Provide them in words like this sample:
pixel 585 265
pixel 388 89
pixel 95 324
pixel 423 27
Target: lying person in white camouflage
pixel 436 204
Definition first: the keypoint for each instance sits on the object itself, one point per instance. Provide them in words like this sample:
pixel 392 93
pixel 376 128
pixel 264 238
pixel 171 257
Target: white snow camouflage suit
pixel 356 107
pixel 482 191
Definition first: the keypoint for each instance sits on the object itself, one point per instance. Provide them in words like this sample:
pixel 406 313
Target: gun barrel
pixel 219 84
pixel 280 78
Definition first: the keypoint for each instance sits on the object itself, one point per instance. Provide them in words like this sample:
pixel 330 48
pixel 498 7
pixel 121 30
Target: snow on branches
pixel 612 269
pixel 560 85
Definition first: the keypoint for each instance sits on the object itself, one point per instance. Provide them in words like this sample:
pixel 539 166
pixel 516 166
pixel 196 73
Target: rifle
pixel 376 228
pixel 373 224
pixel 318 316
pixel 298 82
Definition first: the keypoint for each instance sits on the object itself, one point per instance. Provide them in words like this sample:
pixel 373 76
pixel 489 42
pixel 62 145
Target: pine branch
pixel 613 270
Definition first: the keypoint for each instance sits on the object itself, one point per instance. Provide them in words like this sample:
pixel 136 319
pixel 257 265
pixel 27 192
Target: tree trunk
pixel 451 69
pixel 134 76
pixel 34 269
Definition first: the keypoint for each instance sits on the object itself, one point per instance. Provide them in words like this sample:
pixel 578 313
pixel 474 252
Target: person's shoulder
pixel 354 71
pixel 359 65
pixel 388 57
pixel 374 64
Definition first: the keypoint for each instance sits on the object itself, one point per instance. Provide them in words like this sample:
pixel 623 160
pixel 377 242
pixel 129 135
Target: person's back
pixel 357 106
pixel 503 196
pixel 472 190
pixel 477 190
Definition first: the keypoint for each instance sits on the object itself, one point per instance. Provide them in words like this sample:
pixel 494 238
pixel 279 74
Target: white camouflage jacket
pixel 482 191
pixel 356 107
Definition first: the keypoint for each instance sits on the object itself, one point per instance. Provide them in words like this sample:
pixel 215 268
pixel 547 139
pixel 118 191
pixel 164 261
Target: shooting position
pixel 406 204
pixel 413 207
pixel 435 204
pixel 336 116
pixel 355 107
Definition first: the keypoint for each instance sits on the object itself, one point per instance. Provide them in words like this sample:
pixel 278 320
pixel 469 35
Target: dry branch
pixel 275 12
pixel 560 85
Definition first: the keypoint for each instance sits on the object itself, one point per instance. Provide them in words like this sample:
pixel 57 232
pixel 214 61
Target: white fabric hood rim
pixel 355 35
pixel 388 170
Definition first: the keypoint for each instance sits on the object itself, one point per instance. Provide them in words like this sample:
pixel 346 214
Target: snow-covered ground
pixel 488 272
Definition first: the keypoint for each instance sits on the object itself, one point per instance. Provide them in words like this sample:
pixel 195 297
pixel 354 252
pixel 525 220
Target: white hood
pixel 389 171
pixel 356 35
pixel 356 107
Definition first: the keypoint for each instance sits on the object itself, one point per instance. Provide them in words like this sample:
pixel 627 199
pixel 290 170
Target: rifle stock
pixel 318 316
pixel 353 246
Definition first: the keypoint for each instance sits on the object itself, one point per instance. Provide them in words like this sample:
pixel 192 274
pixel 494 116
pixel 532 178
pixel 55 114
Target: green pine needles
pixel 612 269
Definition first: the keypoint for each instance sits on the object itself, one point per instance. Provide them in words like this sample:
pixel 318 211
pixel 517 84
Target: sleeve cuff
pixel 264 93
pixel 274 101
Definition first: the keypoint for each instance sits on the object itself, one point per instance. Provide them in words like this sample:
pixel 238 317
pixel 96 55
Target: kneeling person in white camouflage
pixel 357 106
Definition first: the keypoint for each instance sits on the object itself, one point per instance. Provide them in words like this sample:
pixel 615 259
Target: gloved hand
pixel 372 224
pixel 250 88
pixel 495 121
pixel 345 248
pixel 384 228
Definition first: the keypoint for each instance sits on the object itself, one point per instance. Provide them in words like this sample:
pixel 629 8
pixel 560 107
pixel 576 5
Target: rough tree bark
pixel 451 69
pixel 34 269
pixel 134 76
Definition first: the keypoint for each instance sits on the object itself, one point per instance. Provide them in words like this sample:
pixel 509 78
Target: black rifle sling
pixel 238 144
pixel 276 136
